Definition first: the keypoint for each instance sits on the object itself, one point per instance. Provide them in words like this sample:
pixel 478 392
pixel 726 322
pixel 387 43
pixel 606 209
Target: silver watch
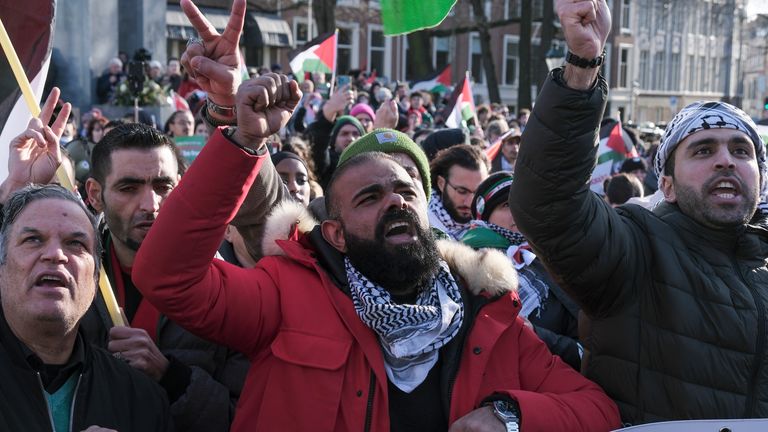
pixel 507 413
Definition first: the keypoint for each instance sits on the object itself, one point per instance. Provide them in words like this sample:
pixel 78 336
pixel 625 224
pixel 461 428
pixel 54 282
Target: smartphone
pixel 343 80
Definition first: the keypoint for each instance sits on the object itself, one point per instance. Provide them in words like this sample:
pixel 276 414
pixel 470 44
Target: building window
pixel 511 61
pixel 623 67
pixel 377 47
pixel 345 54
pixel 674 72
pixel 300 30
pixel 715 76
pixel 441 55
pixel 662 18
pixel 644 17
pixel 703 84
pixel 658 71
pixel 643 65
pixel 476 58
pixel 625 17
pixel 691 67
pixel 512 9
pixel 537 9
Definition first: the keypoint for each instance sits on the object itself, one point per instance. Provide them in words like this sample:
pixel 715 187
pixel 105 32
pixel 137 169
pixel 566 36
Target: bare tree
pixel 524 81
pixel 485 49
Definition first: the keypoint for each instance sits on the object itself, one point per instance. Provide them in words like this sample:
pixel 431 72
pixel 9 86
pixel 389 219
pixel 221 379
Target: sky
pixel 755 7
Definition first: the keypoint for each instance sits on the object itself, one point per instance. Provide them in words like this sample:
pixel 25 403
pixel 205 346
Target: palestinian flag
pixel 405 16
pixel 463 105
pixel 437 83
pixel 317 55
pixel 30 27
pixel 615 146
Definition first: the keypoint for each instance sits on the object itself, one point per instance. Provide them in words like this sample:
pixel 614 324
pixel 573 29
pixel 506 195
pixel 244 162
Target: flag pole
pixel 29 98
pixel 478 126
pixel 335 59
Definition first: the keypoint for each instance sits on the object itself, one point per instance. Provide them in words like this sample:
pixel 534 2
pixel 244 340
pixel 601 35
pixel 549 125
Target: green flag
pixel 405 16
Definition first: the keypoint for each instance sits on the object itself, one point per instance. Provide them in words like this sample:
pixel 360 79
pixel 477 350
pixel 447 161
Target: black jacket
pixel 109 393
pixel 679 324
pixel 204 380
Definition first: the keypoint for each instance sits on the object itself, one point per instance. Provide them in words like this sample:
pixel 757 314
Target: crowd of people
pixel 346 262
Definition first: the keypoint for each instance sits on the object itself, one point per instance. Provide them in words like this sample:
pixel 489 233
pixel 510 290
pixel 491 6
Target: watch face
pixel 505 411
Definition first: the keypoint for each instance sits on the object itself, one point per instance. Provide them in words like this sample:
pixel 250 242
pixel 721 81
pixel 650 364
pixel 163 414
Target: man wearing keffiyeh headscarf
pixel 677 294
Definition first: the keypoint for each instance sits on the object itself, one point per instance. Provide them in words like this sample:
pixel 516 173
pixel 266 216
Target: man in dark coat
pixel 677 295
pixel 52 379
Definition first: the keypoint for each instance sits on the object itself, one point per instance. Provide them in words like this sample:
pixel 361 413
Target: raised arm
pixel 215 63
pixel 35 155
pixel 175 269
pixel 592 251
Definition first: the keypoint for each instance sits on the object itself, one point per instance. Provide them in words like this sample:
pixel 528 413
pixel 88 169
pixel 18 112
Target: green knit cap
pixel 391 141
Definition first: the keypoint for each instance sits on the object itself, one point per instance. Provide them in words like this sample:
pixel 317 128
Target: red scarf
pixel 146 315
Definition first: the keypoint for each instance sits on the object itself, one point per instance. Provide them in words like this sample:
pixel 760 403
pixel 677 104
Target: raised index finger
pixel 198 20
pixel 235 24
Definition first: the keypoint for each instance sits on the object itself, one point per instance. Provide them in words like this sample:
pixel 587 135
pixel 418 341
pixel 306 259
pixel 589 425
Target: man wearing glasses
pixel 456 172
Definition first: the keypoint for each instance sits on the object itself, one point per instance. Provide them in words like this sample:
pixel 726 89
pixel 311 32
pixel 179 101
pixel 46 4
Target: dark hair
pixel 331 206
pixel 113 124
pixel 92 124
pixel 130 136
pixel 20 199
pixel 621 187
pixel 466 156
pixel 669 166
pixel 172 118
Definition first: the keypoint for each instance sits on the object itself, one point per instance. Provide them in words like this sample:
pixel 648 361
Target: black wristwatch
pixel 585 63
pixel 508 413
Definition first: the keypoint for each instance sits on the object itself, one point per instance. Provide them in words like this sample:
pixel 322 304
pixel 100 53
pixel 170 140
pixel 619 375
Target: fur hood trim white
pixel 281 222
pixel 486 270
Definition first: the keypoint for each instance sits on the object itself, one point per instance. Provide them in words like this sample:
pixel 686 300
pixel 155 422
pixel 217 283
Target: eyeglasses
pixel 461 190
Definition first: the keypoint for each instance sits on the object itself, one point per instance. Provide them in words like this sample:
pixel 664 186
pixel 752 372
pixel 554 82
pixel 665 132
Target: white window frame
pixel 507 40
pixel 628 77
pixel 450 50
pixel 507 12
pixel 472 36
pixel 303 20
pixel 354 61
pixel 387 50
pixel 625 30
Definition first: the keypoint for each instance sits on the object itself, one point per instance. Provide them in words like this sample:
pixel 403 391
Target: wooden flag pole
pixel 29 98
pixel 335 59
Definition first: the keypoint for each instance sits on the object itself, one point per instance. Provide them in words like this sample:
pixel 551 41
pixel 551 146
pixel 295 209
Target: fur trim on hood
pixel 486 270
pixel 281 222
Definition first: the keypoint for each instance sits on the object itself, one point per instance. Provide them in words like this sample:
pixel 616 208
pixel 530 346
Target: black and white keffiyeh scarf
pixel 455 230
pixel 410 334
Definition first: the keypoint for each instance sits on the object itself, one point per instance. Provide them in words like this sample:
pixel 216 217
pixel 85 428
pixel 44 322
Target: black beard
pixel 402 269
pixel 450 207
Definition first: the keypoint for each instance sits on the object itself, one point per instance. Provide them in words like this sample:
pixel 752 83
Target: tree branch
pixel 474 27
pixel 257 7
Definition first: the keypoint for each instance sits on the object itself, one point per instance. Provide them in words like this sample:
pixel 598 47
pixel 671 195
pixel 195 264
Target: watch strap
pixel 225 111
pixel 585 63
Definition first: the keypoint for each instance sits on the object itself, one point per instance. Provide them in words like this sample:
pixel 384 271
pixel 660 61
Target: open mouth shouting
pixel 725 189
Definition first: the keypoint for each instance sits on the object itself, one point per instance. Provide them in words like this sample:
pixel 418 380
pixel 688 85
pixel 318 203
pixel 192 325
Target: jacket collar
pixel 291 231
pixel 744 241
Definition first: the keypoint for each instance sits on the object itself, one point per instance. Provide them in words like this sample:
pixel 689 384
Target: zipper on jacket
pixel 759 351
pixel 369 407
pixel 74 398
pixel 45 400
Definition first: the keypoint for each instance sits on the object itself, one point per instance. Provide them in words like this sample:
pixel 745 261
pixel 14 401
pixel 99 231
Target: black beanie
pixel 492 192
